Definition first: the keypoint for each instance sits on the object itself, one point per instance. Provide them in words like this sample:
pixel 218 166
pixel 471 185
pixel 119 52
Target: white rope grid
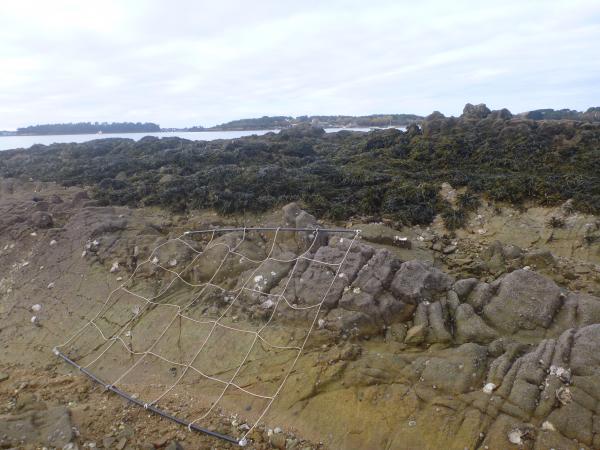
pixel 148 302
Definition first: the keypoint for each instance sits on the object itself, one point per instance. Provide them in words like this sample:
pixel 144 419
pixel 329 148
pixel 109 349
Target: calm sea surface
pixel 10 142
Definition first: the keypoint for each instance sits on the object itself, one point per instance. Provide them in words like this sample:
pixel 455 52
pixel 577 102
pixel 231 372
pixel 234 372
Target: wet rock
pixel 417 281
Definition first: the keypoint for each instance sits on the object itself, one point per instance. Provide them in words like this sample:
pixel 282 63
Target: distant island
pixel 281 122
pixel 88 128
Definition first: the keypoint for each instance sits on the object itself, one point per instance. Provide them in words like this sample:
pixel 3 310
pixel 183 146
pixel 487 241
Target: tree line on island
pixel 89 128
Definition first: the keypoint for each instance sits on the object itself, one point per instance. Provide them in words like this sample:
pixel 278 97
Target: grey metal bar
pixel 152 408
pixel 327 230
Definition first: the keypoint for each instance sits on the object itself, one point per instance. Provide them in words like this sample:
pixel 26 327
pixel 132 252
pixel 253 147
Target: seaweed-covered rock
pixel 480 111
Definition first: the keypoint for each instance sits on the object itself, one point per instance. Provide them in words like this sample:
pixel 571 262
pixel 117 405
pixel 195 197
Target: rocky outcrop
pixel 416 281
pixel 480 111
pixel 401 353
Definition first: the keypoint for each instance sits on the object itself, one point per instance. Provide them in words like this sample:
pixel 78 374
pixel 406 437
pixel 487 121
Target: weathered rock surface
pixel 41 426
pixel 402 353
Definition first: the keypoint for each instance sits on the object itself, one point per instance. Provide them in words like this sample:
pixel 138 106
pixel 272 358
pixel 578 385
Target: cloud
pixel 187 62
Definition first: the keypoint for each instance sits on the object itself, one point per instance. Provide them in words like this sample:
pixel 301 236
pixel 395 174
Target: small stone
pixel 489 388
pixel 3 377
pixel 53 243
pixel 36 308
pixel 50 285
pixel 449 249
pixel 114 267
pixel 547 426
pixel 515 436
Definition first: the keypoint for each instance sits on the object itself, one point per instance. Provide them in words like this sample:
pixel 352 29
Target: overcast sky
pixel 183 63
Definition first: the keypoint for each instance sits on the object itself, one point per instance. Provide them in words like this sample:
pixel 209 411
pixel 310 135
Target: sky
pixel 182 63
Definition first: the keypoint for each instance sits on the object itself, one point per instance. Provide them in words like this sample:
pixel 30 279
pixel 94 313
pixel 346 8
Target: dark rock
pixel 525 300
pixel 80 198
pixel 469 327
pixel 464 287
pixel 502 114
pixel 480 111
pixel 416 281
pixel 480 295
pixel 436 115
pixel 353 323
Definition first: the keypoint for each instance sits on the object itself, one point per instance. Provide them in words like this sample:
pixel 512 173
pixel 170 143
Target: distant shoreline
pixel 207 130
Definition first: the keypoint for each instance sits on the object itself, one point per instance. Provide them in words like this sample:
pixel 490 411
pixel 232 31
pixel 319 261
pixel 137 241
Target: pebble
pixel 36 308
pixel 489 388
